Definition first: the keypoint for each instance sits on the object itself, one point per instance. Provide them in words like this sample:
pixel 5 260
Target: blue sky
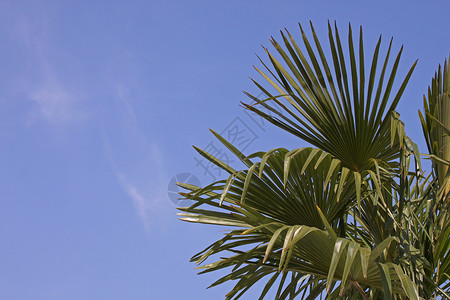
pixel 100 103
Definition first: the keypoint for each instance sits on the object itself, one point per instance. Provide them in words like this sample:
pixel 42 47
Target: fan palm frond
pixel 329 104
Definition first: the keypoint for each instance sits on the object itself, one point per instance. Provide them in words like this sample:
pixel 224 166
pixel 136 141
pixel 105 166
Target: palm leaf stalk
pixel 352 217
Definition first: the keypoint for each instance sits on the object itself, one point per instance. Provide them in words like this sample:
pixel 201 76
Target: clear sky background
pixel 100 102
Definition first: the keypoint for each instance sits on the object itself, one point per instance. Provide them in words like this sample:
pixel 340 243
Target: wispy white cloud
pixel 121 93
pixel 143 180
pixel 137 162
pixel 141 203
pixel 52 96
pixel 56 105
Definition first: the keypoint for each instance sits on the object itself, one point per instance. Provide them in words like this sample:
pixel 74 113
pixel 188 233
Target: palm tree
pixel 353 216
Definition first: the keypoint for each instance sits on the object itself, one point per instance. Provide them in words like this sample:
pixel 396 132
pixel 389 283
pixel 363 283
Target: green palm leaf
pixel 436 122
pixel 293 209
pixel 328 106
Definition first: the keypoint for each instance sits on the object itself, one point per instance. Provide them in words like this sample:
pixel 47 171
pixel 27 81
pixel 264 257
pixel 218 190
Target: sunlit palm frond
pixel 436 122
pixel 329 104
pixel 290 214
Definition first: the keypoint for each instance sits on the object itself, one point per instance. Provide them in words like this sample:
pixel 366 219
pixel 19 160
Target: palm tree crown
pixel 353 216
